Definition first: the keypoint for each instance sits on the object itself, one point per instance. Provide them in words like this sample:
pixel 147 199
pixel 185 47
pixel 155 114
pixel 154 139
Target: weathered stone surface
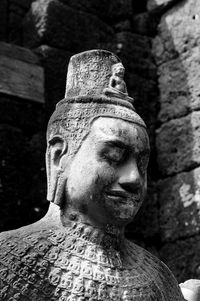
pixel 179 32
pixel 178 144
pixel 19 53
pixel 179 199
pixel 91 272
pixel 20 78
pixel 179 86
pixel 58 25
pixel 109 10
pixel 135 52
pixel 182 257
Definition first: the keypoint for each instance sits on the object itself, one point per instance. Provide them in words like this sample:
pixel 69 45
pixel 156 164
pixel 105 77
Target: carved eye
pixel 114 154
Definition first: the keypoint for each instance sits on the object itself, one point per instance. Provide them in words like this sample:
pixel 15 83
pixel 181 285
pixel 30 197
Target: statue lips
pixel 123 196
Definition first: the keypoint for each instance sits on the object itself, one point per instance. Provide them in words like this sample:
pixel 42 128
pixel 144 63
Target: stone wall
pixel 157 41
pixel 177 56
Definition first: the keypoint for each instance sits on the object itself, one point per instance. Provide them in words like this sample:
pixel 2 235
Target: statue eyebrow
pixel 117 143
pixel 124 146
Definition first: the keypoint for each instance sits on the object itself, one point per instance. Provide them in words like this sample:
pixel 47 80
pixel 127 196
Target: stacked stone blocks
pixel 176 50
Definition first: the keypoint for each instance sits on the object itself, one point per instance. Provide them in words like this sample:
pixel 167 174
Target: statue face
pixel 119 70
pixel 106 180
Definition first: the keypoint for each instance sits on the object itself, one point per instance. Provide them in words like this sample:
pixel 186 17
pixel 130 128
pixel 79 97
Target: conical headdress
pixel 95 87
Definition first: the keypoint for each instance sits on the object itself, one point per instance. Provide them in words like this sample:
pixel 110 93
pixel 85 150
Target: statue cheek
pixel 105 176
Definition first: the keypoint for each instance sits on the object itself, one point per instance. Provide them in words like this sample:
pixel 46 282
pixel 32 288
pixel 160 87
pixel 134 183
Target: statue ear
pixel 57 148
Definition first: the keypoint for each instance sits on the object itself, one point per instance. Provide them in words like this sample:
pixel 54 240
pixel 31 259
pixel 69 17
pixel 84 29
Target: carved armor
pixel 80 263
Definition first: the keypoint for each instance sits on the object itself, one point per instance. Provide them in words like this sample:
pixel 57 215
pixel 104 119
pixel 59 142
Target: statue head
pixel 98 148
pixel 118 69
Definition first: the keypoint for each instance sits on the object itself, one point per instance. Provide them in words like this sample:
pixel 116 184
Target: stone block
pixel 108 10
pixel 19 53
pixel 179 86
pixel 178 144
pixel 20 78
pixel 179 200
pixel 135 53
pixel 178 32
pixel 182 257
pixel 60 26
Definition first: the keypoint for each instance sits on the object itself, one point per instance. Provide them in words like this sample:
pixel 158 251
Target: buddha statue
pixel 97 156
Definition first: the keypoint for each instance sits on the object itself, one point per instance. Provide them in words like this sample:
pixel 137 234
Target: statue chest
pixel 60 267
pixel 86 272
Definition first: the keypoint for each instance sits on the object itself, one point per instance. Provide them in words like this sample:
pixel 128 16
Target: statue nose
pixel 129 177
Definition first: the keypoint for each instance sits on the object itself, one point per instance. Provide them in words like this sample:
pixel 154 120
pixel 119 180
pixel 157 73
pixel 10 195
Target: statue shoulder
pixel 26 256
pixel 157 271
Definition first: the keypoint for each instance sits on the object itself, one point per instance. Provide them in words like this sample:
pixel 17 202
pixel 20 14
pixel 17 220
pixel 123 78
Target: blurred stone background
pixel 158 42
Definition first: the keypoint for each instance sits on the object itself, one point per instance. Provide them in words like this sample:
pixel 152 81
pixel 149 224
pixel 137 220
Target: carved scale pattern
pixel 78 264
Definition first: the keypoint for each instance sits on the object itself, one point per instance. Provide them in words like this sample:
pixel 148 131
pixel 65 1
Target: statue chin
pixel 123 212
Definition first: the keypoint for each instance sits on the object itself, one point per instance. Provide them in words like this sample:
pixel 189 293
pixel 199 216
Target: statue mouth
pixel 123 196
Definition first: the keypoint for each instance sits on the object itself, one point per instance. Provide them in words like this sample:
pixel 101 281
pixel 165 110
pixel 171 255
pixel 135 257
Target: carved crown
pixel 90 74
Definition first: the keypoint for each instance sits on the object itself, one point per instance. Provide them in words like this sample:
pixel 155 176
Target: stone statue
pixel 117 86
pixel 97 157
